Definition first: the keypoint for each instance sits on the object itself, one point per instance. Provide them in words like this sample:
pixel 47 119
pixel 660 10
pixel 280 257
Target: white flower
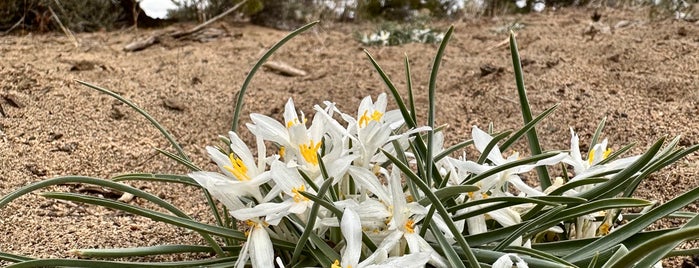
pixel 289 182
pixel 495 183
pixel 258 248
pixel 591 167
pixel 241 175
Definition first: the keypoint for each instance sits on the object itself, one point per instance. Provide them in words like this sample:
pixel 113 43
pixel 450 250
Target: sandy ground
pixel 642 74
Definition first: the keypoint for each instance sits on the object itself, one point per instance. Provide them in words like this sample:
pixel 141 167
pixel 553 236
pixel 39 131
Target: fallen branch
pixel 284 68
pixel 143 44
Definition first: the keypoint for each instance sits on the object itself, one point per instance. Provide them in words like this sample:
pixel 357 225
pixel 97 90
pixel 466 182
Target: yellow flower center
pixel 366 118
pixel 309 152
pixel 294 122
pixel 297 194
pixel 282 151
pixel 410 226
pixel 591 155
pixel 336 264
pixel 238 168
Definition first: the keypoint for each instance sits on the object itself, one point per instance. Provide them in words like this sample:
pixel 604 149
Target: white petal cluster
pixel 270 193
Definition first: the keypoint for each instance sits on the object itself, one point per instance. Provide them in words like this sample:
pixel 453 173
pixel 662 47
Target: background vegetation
pixel 94 15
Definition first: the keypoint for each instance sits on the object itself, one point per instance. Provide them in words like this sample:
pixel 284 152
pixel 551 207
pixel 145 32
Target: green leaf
pixel 490 256
pixel 634 226
pixel 491 145
pixel 145 114
pixel 396 95
pixel 472 261
pixel 598 132
pixel 616 184
pixel 162 217
pixel 409 86
pixel 450 191
pixel 149 251
pixel 527 127
pixel 544 219
pixel 13 258
pixel 106 183
pixel 253 71
pixel 432 102
pixel 534 146
pixel 452 149
pixel 509 165
pixel 537 254
pixel 311 222
pixel 116 264
pixel 662 247
pixel 179 159
pixel 171 178
pixel 508 201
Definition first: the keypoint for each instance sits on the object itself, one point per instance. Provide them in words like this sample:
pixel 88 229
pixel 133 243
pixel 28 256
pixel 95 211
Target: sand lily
pixel 258 248
pixel 495 183
pixel 591 167
pixel 241 176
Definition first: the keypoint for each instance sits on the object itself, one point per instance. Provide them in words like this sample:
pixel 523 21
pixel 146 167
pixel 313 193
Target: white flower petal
pixel 261 248
pixel 481 139
pixel 269 129
pixel 351 228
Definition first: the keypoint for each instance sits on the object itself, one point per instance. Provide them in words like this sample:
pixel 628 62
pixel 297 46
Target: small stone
pixel 34 169
pixel 173 104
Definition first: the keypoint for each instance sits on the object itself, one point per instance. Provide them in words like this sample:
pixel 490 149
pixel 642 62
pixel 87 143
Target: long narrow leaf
pixel 631 258
pixel 527 127
pixel 253 71
pixel 171 178
pixel 116 264
pixel 534 146
pixel 634 226
pixel 149 251
pixel 162 217
pixel 145 114
pixel 396 96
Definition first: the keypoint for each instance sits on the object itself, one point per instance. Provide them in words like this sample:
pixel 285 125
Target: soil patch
pixel 643 75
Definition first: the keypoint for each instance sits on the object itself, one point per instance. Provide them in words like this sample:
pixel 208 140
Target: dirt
pixel 642 74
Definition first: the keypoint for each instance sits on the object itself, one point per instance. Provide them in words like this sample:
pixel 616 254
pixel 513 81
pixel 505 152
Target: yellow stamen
pixel 309 152
pixel 295 121
pixel 365 118
pixel 336 264
pixel 603 229
pixel 409 198
pixel 282 151
pixel 591 155
pixel 410 226
pixel 297 195
pixel 238 168
pixel 606 153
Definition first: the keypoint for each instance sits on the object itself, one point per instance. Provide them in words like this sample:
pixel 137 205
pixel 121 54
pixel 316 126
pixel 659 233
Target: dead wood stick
pixel 208 22
pixel 284 68
pixel 143 43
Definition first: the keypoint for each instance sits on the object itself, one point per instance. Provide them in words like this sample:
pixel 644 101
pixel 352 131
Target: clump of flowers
pixel 393 35
pixel 376 189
